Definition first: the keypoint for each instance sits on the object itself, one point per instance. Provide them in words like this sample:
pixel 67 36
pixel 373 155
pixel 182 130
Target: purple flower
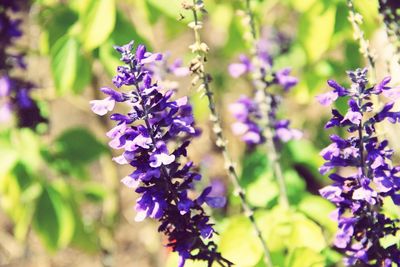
pixel 154 135
pixel 14 91
pixel 359 196
pixel 285 80
pixel 251 122
pixel 248 123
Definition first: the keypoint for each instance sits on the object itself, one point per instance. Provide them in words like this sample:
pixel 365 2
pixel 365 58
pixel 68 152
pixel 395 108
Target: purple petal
pixel 101 107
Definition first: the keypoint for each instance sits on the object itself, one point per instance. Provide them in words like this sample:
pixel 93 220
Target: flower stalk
pixel 265 104
pixel 197 68
pixel 372 177
pixel 356 21
pixel 154 135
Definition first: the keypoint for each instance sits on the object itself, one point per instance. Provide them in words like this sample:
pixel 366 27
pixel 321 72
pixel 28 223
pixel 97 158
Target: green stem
pixel 221 142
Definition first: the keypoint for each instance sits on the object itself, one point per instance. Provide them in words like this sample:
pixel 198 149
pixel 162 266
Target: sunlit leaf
pixel 71 70
pixel 318 209
pixel 98 23
pixel 316 30
pixel 239 243
pixel 305 257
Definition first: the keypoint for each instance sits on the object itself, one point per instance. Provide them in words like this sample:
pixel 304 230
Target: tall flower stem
pixel 356 20
pixel 390 18
pixel 198 69
pixel 265 101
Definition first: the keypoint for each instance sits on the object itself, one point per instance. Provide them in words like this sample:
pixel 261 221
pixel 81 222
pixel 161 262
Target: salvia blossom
pixel 162 69
pixel 154 135
pixel 370 175
pixel 247 110
pixel 14 92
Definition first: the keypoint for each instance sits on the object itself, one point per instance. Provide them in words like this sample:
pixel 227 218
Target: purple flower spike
pixel 154 135
pixel 15 92
pixel 359 196
pixel 250 120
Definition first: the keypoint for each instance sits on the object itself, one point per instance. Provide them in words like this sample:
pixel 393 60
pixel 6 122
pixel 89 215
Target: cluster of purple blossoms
pixel 154 135
pixel 161 70
pixel 370 175
pixel 247 110
pixel 14 91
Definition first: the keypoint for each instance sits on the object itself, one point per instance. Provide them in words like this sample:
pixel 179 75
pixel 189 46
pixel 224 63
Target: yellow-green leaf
pixel 316 30
pixel 98 23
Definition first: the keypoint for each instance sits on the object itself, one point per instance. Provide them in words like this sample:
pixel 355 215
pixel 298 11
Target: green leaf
pixel 45 220
pixel 8 155
pixel 305 257
pixel 285 229
pixel 72 151
pixel 167 7
pixel 257 196
pixel 94 192
pixel 316 30
pixel 239 243
pixel 125 33
pixel 53 219
pixel 27 143
pixel 98 23
pixel 55 22
pixel 306 233
pixel 254 165
pixel 78 146
pixel 70 69
pixel 303 5
pixel 318 209
pixel 295 185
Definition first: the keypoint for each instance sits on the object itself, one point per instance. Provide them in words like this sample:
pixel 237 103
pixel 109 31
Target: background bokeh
pixel 61 200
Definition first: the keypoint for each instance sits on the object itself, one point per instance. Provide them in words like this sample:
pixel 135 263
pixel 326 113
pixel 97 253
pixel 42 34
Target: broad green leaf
pixel 306 233
pixel 94 192
pixel 256 192
pixel 24 220
pixel 239 243
pixel 125 33
pixel 72 151
pixel 62 191
pixel 254 165
pixel 285 229
pixel 318 209
pixel 45 221
pixel 70 69
pixel 304 151
pixel 276 227
pixel 167 7
pixel 305 257
pixel 78 146
pixel 27 144
pixel 316 30
pixel 109 57
pixel 53 219
pixel 295 185
pixel 80 6
pixel 8 155
pixel 10 193
pixel 55 22
pixel 98 23
pixel 303 5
